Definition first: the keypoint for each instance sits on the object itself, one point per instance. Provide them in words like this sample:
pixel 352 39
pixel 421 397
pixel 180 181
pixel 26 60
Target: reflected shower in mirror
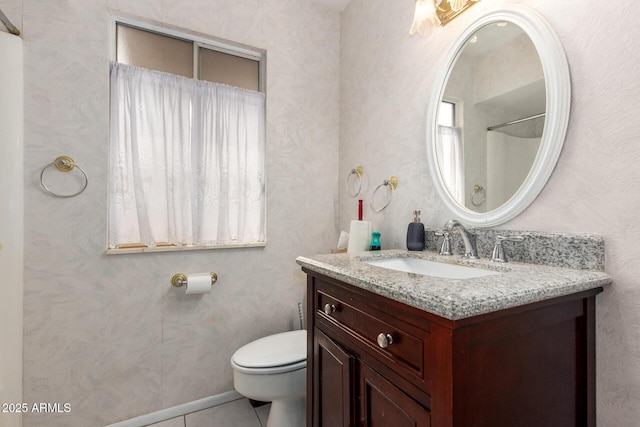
pixel 494 104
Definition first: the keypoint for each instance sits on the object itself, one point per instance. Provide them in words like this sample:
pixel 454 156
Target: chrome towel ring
pixel 478 189
pixel 391 184
pixel 63 164
pixel 353 189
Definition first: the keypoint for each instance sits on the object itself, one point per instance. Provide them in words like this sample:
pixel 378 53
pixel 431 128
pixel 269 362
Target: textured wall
pixel 385 85
pixel 11 226
pixel 109 334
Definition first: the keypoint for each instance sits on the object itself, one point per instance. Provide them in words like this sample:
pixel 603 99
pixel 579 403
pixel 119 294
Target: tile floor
pixel 238 413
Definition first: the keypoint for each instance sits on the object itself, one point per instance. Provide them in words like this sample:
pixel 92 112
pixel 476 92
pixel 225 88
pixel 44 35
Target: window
pixel 175 55
pixel 450 151
pixel 447 114
pixel 187 141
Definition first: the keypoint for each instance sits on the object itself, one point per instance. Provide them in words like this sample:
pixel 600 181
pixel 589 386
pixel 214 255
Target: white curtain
pixel 186 161
pixel 451 161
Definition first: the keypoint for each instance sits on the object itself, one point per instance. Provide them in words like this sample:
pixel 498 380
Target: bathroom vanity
pixel 397 348
pixel 421 344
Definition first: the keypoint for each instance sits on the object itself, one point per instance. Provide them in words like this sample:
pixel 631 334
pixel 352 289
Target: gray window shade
pixel 154 51
pixel 232 70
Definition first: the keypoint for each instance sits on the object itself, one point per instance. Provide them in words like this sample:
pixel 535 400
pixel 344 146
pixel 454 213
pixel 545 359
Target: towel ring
pixel 478 189
pixel 357 172
pixel 63 164
pixel 392 184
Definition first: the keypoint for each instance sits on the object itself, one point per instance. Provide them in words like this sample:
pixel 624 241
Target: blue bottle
pixel 375 241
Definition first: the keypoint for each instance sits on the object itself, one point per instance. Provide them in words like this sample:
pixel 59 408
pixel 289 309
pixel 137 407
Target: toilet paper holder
pixel 179 280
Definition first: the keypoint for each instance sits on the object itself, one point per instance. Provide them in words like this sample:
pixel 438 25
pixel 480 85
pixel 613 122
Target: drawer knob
pixel 384 340
pixel 329 308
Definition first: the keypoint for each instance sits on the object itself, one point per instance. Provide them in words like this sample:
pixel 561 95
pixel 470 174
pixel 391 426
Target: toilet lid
pixel 275 350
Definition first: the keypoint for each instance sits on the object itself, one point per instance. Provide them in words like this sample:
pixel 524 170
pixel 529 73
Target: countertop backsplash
pixel 570 250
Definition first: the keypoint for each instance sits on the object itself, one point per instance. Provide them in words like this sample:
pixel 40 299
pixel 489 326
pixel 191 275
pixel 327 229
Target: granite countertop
pixel 456 299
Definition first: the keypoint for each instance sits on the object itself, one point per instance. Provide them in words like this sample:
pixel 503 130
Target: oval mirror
pixel 498 116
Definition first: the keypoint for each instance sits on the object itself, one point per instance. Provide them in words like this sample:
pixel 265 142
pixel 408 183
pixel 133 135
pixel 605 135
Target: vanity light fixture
pixel 431 13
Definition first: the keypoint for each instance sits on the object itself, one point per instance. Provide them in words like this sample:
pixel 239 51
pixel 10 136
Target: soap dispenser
pixel 415 233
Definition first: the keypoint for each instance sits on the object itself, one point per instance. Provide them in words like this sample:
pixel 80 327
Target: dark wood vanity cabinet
pixel 373 361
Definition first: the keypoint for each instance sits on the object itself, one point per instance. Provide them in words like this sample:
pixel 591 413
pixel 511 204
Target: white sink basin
pixel 431 268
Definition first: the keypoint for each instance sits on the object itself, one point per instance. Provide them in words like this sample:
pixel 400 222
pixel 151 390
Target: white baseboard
pixel 176 411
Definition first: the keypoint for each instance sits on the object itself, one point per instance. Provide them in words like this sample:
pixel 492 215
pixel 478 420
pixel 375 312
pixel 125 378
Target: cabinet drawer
pixel 402 345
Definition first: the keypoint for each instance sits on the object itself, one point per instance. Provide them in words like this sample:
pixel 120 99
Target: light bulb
pixel 424 18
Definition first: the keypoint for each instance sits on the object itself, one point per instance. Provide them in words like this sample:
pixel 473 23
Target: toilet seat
pixel 283 352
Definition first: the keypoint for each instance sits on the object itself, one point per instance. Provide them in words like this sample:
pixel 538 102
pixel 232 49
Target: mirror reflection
pixel 491 117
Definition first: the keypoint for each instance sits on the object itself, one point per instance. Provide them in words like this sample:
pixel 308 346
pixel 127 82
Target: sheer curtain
pixel 186 161
pixel 451 160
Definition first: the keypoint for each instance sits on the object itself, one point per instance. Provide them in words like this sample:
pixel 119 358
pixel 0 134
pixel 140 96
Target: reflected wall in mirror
pixel 498 116
pixel 497 79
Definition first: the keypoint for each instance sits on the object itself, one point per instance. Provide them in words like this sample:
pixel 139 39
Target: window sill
pixel 145 249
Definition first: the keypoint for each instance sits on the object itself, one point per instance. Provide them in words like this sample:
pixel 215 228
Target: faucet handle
pixel 445 249
pixel 498 254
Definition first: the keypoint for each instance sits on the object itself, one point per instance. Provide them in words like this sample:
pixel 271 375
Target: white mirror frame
pixel 558 100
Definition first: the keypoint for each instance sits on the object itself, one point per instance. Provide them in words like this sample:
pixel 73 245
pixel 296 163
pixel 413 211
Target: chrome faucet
pixel 498 254
pixel 469 239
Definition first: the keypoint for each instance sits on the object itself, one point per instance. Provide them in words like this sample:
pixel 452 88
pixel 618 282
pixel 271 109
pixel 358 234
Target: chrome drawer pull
pixel 329 308
pixel 384 340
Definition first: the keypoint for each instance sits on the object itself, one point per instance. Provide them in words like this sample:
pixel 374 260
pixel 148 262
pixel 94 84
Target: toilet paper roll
pixel 198 283
pixel 359 236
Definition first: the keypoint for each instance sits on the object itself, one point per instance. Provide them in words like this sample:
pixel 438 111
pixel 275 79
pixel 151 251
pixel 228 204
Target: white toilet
pixel 274 369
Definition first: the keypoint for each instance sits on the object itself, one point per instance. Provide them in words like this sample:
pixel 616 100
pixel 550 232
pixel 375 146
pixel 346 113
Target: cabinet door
pixel 333 378
pixel 384 405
